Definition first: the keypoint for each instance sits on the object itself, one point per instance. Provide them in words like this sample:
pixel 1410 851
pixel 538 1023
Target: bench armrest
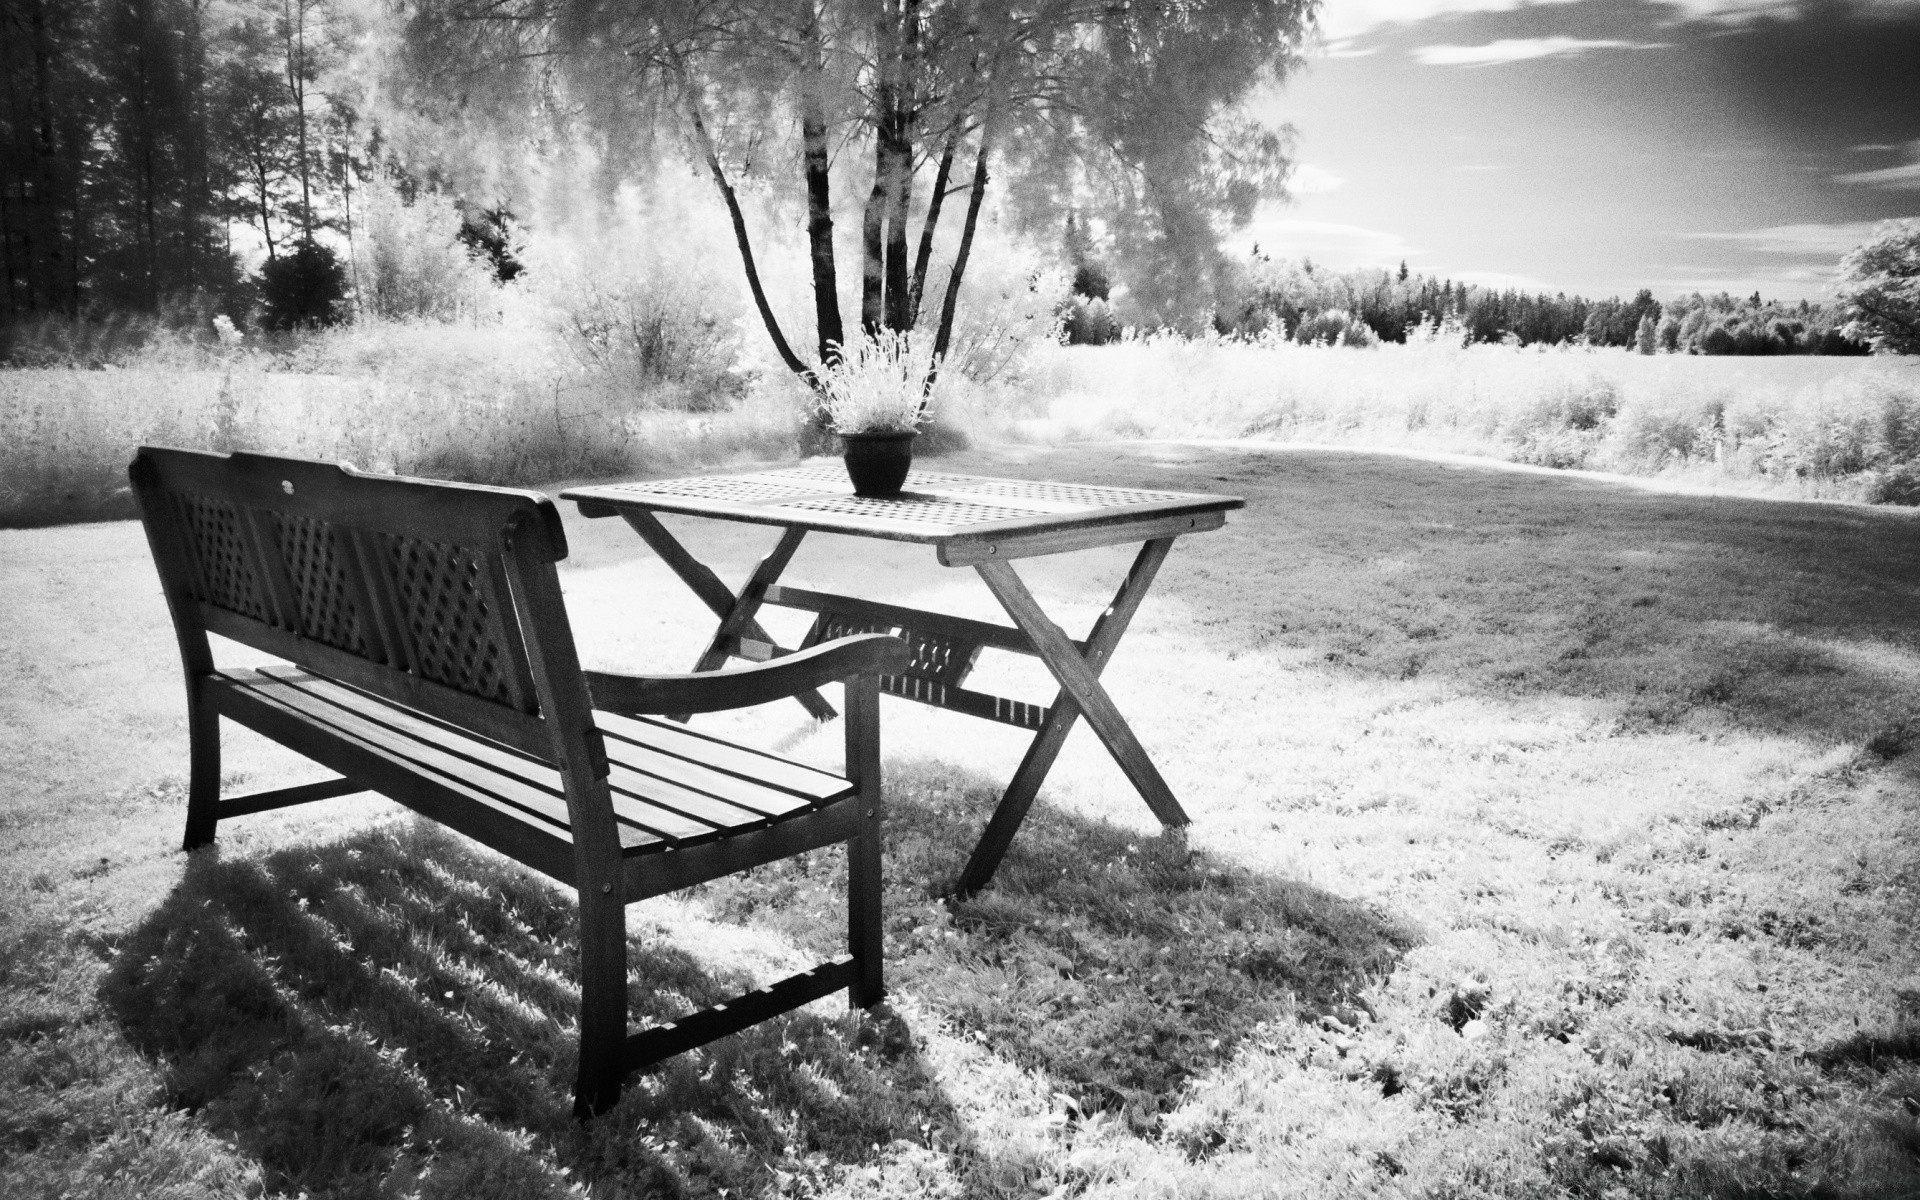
pixel 762 683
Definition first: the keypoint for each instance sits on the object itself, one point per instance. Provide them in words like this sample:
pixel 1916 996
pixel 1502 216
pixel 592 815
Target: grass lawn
pixel 1552 836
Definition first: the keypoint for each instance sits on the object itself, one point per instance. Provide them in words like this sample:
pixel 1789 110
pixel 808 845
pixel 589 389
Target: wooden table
pixel 969 521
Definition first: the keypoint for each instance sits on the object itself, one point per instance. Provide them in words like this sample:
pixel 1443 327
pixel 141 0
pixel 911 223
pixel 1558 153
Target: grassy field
pixel 1801 427
pixel 1552 837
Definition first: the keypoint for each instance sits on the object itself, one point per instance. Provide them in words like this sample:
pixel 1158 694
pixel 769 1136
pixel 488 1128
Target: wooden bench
pixel 429 658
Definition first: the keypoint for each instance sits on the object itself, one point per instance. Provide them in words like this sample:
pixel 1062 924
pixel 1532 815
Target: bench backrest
pixel 440 596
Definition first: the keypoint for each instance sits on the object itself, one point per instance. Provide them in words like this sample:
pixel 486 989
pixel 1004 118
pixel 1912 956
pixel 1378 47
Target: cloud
pixel 1508 50
pixel 1345 19
pixel 1809 281
pixel 1811 241
pixel 1905 177
pixel 1871 147
pixel 1342 247
pixel 1311 178
pixel 1733 12
pixel 1345 48
pixel 1348 18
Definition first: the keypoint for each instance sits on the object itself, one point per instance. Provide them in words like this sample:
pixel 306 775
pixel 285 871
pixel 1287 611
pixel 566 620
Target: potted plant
pixel 875 396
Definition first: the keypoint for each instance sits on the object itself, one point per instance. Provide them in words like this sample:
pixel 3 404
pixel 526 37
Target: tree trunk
pixel 265 198
pixel 873 245
pixel 934 201
pixel 813 135
pixel 898 130
pixel 195 187
pixel 900 194
pixel 945 335
pixel 712 156
pixel 296 37
pixel 146 130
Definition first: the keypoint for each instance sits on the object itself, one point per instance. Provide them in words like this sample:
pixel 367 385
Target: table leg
pixel 1080 691
pixel 736 613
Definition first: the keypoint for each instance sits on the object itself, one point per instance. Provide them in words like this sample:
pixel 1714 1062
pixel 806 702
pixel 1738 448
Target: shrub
pixel 410 262
pixel 1899 484
pixel 1335 327
pixel 1008 311
pixel 1651 436
pixel 1090 322
pixel 654 334
pixel 307 288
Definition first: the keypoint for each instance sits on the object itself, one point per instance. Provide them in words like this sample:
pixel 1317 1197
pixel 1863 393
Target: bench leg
pixel 203 772
pixel 603 1003
pixel 864 921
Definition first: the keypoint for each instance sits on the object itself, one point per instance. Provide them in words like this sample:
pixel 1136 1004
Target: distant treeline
pixel 1305 303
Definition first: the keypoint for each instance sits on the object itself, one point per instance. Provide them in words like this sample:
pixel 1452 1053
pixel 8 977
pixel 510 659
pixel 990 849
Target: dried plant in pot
pixel 875 396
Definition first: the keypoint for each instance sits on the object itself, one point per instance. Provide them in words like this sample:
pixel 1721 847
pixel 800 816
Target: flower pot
pixel 877 462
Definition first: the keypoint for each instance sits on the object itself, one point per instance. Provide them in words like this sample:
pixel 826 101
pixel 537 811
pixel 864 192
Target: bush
pixel 410 261
pixel 1090 322
pixel 1335 327
pixel 655 335
pixel 1896 485
pixel 304 289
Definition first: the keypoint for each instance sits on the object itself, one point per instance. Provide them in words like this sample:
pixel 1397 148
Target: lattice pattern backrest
pixel 317 559
pixel 395 585
pixel 223 567
pixel 448 603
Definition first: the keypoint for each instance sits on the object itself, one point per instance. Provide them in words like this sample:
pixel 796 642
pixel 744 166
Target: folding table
pixel 969 520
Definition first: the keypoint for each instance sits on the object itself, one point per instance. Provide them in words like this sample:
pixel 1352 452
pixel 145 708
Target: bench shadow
pixel 391 1013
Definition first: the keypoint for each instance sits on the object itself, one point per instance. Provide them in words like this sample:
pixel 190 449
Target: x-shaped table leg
pixel 1080 693
pixel 736 612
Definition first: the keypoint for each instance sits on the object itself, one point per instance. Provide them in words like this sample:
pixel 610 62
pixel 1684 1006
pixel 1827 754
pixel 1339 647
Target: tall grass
pixel 1824 428
pixel 497 402
pixel 539 392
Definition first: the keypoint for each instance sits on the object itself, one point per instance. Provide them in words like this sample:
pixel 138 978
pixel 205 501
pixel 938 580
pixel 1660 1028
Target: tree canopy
pixel 1123 112
pixel 1880 284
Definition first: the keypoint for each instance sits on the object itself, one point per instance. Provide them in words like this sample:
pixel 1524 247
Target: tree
pixel 1880 285
pixel 1124 107
pixel 257 132
pixel 155 232
pixel 47 129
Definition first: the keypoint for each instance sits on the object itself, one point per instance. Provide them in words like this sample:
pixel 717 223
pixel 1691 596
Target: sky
pixel 1601 146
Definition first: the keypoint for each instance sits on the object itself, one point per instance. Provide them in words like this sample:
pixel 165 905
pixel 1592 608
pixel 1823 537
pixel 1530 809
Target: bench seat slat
pixel 426 757
pixel 519 780
pixel 661 799
pixel 651 789
pixel 679 819
pixel 410 771
pixel 741 762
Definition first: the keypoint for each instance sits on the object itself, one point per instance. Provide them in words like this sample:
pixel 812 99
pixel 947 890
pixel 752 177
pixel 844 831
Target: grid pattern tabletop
pixel 935 506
